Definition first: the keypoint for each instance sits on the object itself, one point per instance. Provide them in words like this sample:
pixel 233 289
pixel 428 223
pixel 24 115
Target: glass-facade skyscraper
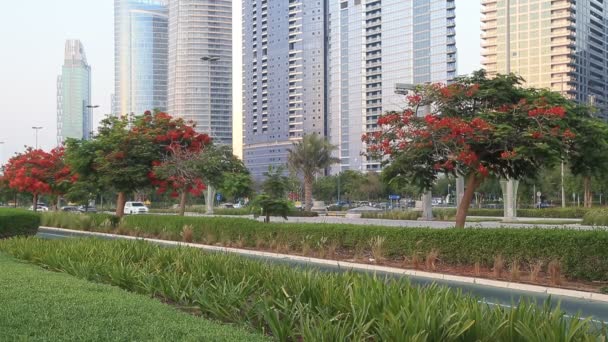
pixel 283 78
pixel 141 55
pixel 556 44
pixel 373 45
pixel 200 65
pixel 74 119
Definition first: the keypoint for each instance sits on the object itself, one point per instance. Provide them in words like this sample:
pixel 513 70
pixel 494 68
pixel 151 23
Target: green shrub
pixel 232 211
pixel 597 217
pixel 582 253
pixel 79 221
pixel 450 213
pixel 294 304
pixel 393 215
pixel 301 213
pixel 16 222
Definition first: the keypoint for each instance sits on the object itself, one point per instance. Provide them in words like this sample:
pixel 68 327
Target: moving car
pixel 136 208
pixel 87 209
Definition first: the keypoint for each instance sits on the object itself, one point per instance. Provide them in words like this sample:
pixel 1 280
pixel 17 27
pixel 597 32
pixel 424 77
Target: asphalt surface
pixel 597 311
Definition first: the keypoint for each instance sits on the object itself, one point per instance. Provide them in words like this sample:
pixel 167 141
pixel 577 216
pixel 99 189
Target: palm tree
pixel 308 157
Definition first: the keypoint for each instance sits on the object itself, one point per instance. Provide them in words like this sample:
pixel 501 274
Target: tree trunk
pixel 308 192
pixel 463 207
pixel 182 203
pixel 209 198
pixel 120 204
pixel 57 202
pixel 35 206
pixel 587 196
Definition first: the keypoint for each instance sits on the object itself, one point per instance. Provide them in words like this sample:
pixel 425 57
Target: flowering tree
pixel 38 172
pixel 474 127
pixel 123 154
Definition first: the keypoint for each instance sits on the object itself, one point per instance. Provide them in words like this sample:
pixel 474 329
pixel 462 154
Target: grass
pixel 294 304
pixel 582 253
pixel 38 305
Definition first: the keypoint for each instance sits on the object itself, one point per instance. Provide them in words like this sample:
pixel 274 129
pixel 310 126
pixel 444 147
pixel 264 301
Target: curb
pixel 362 267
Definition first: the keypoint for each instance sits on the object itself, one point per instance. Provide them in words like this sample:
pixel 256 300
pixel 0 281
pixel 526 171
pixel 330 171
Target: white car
pixel 135 208
pixel 40 208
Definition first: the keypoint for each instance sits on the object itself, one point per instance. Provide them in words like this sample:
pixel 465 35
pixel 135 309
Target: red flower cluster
pixel 37 171
pixel 508 154
pixel 556 111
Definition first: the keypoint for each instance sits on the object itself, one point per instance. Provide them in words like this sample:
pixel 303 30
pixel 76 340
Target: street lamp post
pixel 210 190
pixel 37 128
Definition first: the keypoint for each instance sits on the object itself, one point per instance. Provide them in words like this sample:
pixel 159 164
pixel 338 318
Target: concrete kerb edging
pixel 365 267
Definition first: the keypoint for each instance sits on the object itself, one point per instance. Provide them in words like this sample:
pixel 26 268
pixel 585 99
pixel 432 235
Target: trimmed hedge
pixel 583 254
pixel 16 222
pixel 79 221
pixel 597 217
pixel 450 213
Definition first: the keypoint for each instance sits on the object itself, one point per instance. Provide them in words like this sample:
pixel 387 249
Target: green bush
pixel 294 304
pixel 450 213
pixel 301 213
pixel 232 211
pixel 16 222
pixel 393 215
pixel 597 217
pixel 59 219
pixel 582 253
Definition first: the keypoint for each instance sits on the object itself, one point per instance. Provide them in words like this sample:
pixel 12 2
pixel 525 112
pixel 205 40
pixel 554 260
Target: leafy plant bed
pixel 580 255
pixel 597 217
pixel 294 304
pixel 17 222
pixel 38 305
pixel 450 213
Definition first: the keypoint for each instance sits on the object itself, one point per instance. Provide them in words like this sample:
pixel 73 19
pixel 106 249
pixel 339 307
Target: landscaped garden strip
pixel 450 213
pixel 38 305
pixel 294 304
pixel 581 255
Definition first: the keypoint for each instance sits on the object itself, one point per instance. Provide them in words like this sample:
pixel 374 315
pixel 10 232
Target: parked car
pixel 70 209
pixel 87 209
pixel 40 208
pixel 136 208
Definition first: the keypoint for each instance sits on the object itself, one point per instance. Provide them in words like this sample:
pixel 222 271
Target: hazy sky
pixel 33 35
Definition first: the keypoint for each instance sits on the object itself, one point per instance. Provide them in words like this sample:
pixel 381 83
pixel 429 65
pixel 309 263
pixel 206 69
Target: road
pixel 597 310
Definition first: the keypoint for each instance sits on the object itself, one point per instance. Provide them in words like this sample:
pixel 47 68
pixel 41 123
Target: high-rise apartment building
pixel 74 119
pixel 561 45
pixel 283 78
pixel 373 45
pixel 140 55
pixel 200 65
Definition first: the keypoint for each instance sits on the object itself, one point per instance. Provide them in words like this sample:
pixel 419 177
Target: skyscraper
pixel 374 45
pixel 283 78
pixel 74 119
pixel 555 44
pixel 200 65
pixel 140 55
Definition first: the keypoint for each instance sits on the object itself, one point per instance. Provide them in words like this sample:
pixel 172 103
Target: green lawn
pixel 39 305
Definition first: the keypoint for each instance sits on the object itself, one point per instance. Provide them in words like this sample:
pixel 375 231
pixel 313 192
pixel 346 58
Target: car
pixel 87 209
pixel 136 208
pixel 70 209
pixel 40 208
pixel 227 206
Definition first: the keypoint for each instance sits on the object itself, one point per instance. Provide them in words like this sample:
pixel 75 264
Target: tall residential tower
pixel 200 65
pixel 283 78
pixel 557 44
pixel 140 55
pixel 373 45
pixel 74 119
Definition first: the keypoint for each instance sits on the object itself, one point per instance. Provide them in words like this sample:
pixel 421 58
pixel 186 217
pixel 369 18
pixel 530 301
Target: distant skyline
pixel 34 35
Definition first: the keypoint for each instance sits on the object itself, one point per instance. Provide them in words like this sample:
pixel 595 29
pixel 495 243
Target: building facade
pixel 561 45
pixel 283 78
pixel 140 56
pixel 74 119
pixel 373 45
pixel 200 65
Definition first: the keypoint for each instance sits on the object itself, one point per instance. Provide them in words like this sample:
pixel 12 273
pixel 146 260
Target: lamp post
pixel 36 129
pixel 210 190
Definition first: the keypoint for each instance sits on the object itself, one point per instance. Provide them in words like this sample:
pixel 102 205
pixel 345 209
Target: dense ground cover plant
pixel 295 304
pixel 16 222
pixel 582 254
pixel 38 305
